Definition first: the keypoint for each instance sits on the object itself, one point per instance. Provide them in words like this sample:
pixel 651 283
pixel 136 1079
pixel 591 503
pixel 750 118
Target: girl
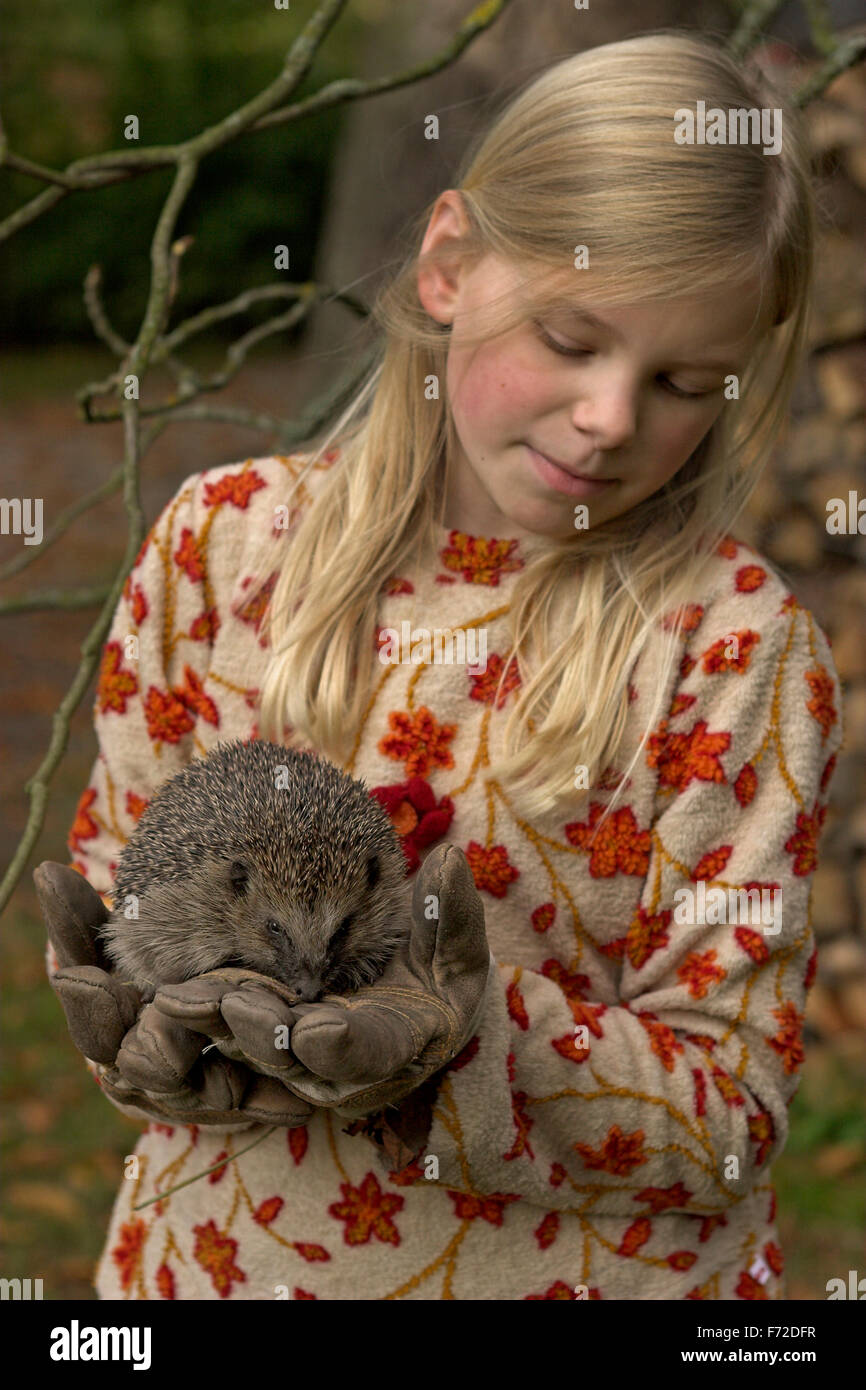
pixel 581 377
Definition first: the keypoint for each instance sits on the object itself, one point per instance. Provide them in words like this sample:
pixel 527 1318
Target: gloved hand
pixel 359 1053
pixel 148 1060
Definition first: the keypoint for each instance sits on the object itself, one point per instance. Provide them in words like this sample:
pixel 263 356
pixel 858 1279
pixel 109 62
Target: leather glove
pixel 359 1053
pixel 145 1058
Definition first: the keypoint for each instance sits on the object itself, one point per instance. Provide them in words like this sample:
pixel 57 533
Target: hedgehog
pixel 261 857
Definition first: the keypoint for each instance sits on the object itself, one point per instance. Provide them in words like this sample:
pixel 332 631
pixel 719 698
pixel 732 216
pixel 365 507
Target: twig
pixel 223 1162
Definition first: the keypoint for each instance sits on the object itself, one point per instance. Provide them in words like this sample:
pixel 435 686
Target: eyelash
pixel 585 352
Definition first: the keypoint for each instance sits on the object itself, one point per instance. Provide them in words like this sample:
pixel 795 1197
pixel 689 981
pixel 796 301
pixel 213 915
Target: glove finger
pixel 261 1022
pixel 268 1100
pixel 366 1042
pixel 99 1010
pixel 73 912
pixel 198 1002
pixel 158 1052
pixel 455 945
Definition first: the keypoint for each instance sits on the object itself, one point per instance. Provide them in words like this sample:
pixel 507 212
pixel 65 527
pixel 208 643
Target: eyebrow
pixel 593 321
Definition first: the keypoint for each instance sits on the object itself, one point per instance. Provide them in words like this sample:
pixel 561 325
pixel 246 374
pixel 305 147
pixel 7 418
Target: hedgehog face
pixel 331 943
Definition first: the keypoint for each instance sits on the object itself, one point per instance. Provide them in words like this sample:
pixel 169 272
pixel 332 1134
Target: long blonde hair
pixel 583 154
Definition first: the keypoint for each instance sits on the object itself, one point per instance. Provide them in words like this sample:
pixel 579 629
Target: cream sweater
pixel 609 1131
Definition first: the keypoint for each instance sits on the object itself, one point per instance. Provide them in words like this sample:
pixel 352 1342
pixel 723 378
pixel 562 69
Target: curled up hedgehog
pixel 265 858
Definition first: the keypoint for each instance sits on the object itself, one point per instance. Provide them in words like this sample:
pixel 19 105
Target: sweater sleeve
pixel 150 691
pixel 674 1097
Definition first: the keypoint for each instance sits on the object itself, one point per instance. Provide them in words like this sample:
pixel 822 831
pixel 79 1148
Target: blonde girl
pixel 584 364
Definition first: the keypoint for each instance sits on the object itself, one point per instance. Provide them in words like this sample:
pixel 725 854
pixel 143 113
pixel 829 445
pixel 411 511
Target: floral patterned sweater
pixel 610 1129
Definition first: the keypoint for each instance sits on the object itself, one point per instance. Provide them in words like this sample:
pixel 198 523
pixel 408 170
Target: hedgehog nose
pixel 309 987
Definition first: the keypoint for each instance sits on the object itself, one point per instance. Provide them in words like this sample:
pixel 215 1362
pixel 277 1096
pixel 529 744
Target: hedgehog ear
pixel 374 871
pixel 238 876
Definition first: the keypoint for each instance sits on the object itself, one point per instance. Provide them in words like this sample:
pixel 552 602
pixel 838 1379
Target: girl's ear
pixel 439 280
pixel 238 876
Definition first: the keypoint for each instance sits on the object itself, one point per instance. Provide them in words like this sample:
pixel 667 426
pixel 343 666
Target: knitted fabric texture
pixel 610 1129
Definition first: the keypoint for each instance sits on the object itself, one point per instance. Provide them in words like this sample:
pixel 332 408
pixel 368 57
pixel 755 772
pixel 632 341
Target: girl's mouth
pixel 573 485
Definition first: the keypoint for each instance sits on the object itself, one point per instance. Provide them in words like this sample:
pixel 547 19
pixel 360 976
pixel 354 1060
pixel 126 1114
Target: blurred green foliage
pixel 71 73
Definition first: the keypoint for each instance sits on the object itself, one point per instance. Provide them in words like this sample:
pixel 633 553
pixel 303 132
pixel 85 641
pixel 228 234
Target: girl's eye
pixel 273 927
pixel 564 351
pixel 678 390
pixel 560 347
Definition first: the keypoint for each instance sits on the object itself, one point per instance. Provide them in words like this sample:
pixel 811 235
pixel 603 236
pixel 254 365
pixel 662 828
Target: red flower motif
pixel 479 559
pixel 165 1282
pixel 83 827
pixel 727 1088
pixel 709 1224
pixel 699 972
pixel 127 1253
pixel 680 757
pixel 188 556
pixel 419 740
pixel 167 716
pixel 547 1231
pixel 542 917
pixel 681 1259
pixel 484 685
pixel 268 1210
pixel 663 1198
pixel 140 605
pixel 215 1252
pixel 313 1254
pixel 749 578
pixel 559 1292
pixel 193 696
pixel 393 586
pixel 205 627
pixel 416 815
pixel 752 943
pixel 367 1212
pixel 522 1124
pixel 700 1081
pixel 762 1132
pixel 647 934
pixel 235 488
pixel 219 1173
pixel 664 1041
pixel 727 548
pixel 803 841
pixel 297 1140
pixel 749 1288
pixel 637 1235
pixel 821 706
pixel 468 1207
pixel 136 805
pixel 253 610
pixel 692 615
pixel 829 769
pixel 746 784
pixel 712 863
pixel 716 658
pixel 620 1153
pixel 490 868
pixel 788 1041
pixel 114 686
pixel 516 1005
pixel 617 846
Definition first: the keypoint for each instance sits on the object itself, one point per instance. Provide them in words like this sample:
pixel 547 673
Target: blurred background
pixel 340 189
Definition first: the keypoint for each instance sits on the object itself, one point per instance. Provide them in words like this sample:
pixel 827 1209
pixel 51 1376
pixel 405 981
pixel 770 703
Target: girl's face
pixel 621 396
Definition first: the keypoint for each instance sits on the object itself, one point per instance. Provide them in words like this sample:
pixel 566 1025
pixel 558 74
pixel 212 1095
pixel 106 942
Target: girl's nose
pixel 607 412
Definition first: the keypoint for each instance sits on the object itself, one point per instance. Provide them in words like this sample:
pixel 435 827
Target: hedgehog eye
pixel 273 927
pixel 342 931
